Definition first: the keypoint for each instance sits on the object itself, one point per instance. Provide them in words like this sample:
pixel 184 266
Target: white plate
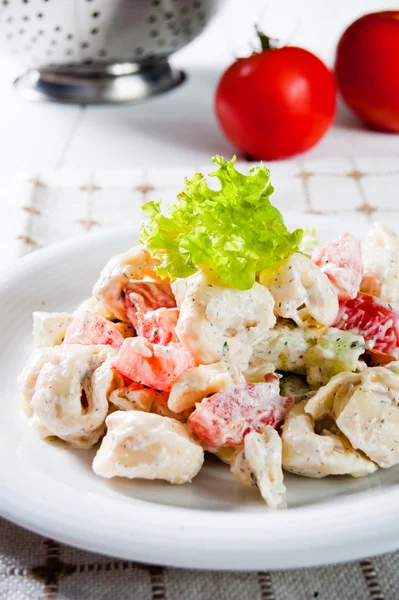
pixel 211 523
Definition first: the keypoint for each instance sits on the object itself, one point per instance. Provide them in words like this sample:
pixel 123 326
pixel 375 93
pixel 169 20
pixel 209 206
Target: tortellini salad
pixel 297 373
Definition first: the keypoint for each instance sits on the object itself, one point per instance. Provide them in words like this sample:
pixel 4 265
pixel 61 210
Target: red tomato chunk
pixel 375 320
pixel 158 326
pixel 90 329
pixel 143 296
pixel 341 261
pixel 152 365
pixel 226 417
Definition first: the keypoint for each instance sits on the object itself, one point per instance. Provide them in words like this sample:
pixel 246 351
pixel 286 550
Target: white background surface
pixel 179 128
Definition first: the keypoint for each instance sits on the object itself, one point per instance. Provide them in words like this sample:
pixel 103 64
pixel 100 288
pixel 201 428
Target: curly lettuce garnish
pixel 234 231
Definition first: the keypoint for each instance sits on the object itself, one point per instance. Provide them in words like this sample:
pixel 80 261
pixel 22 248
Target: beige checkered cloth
pixel 41 209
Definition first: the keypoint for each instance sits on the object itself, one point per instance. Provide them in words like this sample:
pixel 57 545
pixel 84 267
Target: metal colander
pixel 76 50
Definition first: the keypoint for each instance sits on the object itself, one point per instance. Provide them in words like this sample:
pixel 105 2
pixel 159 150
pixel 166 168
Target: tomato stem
pixel 265 40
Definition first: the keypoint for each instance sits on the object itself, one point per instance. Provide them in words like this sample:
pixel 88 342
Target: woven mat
pixel 34 568
pixel 43 208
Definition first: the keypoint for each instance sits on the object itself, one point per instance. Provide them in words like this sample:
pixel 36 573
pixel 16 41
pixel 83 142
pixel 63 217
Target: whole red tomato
pixel 367 69
pixel 276 103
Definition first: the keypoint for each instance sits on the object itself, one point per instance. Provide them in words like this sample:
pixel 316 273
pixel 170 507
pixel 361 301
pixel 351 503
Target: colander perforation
pixel 85 36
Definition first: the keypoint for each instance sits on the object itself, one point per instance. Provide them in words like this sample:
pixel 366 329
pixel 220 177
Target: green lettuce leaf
pixel 309 241
pixel 234 231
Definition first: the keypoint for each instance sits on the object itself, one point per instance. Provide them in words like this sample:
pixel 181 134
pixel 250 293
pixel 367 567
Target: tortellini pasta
pixel 365 407
pixel 64 392
pixel 148 446
pixel 259 464
pixel 301 292
pixel 315 455
pixel 218 322
pixel 136 264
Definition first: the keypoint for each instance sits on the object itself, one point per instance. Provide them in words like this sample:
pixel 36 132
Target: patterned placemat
pixel 43 208
pixel 39 209
pixel 32 568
